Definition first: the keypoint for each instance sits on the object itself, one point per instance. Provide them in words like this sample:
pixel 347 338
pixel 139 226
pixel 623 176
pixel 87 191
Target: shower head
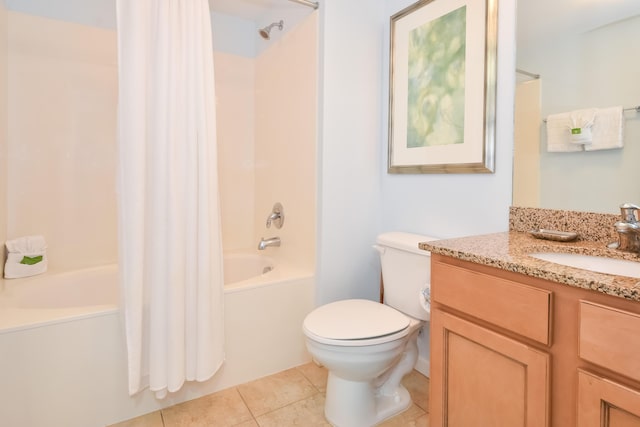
pixel 264 32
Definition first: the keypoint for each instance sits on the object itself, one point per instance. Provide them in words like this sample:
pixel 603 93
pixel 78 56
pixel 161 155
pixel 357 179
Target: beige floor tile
pixel 222 409
pixel 251 423
pixel 154 419
pixel 423 421
pixel 289 398
pixel 418 386
pixel 308 412
pixel 276 391
pixel 405 419
pixel 316 374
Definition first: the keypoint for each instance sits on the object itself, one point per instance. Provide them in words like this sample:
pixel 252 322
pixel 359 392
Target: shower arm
pixel 313 4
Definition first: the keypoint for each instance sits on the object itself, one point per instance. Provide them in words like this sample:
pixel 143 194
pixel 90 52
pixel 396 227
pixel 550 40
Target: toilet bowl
pixel 368 347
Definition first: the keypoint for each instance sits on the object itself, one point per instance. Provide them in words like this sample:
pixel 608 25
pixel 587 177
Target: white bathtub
pixel 62 352
pixel 243 269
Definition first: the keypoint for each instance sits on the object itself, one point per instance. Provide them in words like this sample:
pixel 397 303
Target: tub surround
pixel 510 250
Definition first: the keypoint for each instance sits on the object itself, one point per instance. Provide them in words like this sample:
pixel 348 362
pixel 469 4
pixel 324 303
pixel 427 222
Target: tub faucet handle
pixel 277 216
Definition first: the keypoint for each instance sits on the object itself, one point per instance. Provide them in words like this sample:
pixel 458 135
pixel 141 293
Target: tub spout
pixel 264 243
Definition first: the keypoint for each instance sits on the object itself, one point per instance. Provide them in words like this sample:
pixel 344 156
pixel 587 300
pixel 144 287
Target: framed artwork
pixel 442 91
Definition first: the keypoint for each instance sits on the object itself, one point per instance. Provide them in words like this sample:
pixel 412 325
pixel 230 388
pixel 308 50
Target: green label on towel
pixel 31 260
pixel 576 131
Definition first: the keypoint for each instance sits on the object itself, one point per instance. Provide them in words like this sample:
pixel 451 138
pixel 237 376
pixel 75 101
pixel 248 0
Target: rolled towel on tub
pixel 27 256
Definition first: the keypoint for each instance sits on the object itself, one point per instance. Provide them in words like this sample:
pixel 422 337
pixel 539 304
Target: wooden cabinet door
pixel 480 378
pixel 604 403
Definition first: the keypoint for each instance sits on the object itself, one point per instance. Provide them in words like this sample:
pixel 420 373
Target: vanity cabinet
pixel 512 350
pixel 604 342
pixel 483 371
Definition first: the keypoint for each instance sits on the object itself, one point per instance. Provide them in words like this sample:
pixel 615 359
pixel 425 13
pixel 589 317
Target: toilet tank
pixel 406 270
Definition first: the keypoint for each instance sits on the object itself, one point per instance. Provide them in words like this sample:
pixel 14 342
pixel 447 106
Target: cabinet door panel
pixel 483 379
pixel 604 403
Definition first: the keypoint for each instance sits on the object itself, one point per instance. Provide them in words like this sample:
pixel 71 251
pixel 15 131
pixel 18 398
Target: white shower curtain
pixel 170 254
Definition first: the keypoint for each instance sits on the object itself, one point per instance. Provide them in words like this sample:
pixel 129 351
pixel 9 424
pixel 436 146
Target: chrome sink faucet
pixel 264 243
pixel 628 229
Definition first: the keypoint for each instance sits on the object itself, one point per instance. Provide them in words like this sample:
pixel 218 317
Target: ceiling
pixel 251 10
pixel 583 15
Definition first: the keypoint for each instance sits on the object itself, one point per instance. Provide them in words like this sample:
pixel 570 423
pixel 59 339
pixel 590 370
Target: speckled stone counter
pixel 510 251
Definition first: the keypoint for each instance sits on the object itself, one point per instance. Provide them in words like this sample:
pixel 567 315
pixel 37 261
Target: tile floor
pixel 294 397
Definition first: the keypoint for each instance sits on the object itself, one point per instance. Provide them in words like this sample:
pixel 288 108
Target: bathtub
pixel 63 354
pixel 243 270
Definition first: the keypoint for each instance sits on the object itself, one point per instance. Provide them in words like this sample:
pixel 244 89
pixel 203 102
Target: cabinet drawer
pixel 610 338
pixel 513 306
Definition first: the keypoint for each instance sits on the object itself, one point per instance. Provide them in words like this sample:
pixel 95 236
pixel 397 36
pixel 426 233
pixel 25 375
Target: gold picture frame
pixel 442 87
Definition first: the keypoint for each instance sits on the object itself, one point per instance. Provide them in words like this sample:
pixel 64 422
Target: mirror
pixel 585 53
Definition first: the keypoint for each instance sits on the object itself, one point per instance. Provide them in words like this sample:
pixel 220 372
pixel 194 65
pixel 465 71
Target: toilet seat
pixel 355 322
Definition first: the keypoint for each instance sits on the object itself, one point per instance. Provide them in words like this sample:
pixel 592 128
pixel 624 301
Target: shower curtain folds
pixel 170 253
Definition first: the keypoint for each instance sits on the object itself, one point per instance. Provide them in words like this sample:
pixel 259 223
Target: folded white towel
pixel 26 257
pixel 559 134
pixel 607 130
pixel 581 123
pixel 34 245
pixel 15 269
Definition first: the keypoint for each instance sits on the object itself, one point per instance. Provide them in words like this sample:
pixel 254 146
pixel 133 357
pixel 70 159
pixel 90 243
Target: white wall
pixel 349 200
pixel 233 35
pixel 357 198
pixel 94 13
pixel 459 204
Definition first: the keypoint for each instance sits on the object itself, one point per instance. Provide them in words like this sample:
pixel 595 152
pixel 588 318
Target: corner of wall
pixel 3 134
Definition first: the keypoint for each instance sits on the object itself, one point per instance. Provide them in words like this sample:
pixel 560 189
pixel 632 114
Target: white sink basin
pixel 598 264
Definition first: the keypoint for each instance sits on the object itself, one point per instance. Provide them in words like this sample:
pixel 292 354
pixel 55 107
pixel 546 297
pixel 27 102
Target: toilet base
pixel 367 403
pixel 358 404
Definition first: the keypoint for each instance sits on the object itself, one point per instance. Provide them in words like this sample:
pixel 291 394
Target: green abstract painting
pixel 435 113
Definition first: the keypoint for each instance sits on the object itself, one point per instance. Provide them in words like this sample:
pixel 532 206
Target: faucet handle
pixel 628 212
pixel 277 216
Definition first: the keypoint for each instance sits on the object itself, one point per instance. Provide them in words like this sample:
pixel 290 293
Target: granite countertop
pixel 509 251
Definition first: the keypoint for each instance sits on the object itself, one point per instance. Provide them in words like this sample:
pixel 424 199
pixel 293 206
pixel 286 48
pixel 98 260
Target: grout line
pixel 253 417
pixel 289 404
pixel 308 380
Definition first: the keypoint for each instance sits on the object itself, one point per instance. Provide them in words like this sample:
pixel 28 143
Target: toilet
pixel 368 347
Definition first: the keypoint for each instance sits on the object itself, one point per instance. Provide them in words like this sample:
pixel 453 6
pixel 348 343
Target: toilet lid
pixel 354 319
